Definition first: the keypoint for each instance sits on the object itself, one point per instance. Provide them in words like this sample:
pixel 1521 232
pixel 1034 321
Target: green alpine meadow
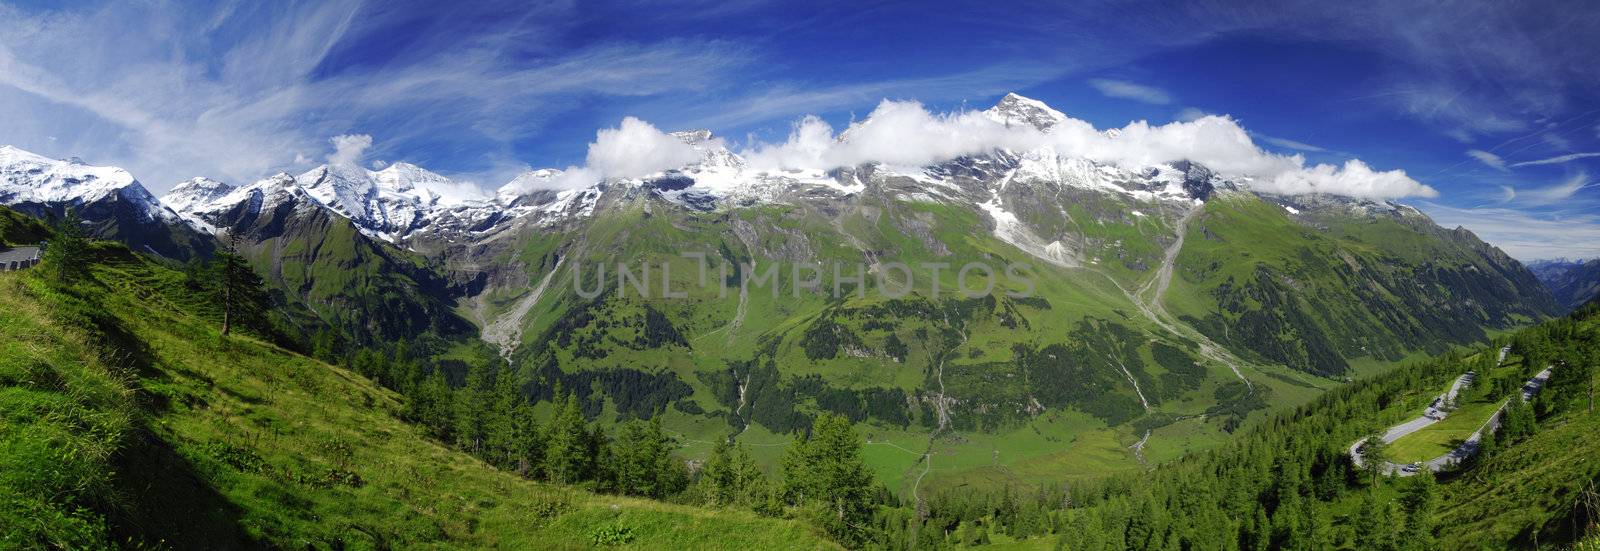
pixel 1115 276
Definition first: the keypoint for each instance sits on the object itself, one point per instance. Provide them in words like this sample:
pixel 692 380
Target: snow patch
pixel 1011 230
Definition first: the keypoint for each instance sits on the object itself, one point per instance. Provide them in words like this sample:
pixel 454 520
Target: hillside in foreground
pixel 1290 483
pixel 128 419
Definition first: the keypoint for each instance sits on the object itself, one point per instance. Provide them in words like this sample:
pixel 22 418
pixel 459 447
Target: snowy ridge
pixel 405 204
pixel 194 193
pixel 389 203
pixel 30 178
pixel 1010 229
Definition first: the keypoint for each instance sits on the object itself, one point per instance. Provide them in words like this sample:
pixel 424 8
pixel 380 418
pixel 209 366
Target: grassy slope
pixel 263 444
pixel 1531 483
pixel 1341 289
pixel 19 229
pixel 980 373
pixel 371 290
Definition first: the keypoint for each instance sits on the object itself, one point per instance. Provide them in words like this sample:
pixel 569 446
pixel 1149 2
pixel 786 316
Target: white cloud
pixel 1556 140
pixel 1557 193
pixel 575 177
pixel 905 133
pixel 1129 90
pixel 1507 194
pixel 1288 144
pixel 1459 135
pixel 1485 157
pixel 347 149
pixel 1354 179
pixel 1523 235
pixel 897 132
pixel 235 94
pixel 1189 114
pixel 635 149
pixel 1557 160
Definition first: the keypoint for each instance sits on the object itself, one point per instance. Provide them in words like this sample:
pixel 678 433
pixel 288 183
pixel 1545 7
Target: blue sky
pixel 1494 104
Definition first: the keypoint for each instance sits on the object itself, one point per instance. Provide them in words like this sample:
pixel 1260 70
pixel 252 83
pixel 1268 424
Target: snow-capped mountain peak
pixel 713 152
pixel 526 182
pixel 1016 109
pixel 390 202
pixel 195 192
pixel 26 177
pixel 430 187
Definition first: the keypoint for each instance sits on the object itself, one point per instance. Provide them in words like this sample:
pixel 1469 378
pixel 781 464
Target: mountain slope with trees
pixel 130 420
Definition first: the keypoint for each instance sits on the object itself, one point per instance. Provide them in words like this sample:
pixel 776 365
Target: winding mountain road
pixel 1434 414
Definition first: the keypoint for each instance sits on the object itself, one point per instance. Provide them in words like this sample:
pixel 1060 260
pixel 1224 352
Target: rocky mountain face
pixel 1573 282
pixel 332 259
pixel 1128 298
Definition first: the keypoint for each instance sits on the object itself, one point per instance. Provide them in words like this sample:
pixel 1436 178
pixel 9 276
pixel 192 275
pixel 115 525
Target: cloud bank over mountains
pixel 906 133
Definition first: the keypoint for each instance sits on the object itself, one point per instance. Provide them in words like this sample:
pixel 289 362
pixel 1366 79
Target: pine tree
pixel 1519 421
pixel 1375 523
pixel 1488 445
pixel 598 458
pixel 429 403
pixel 1259 535
pixel 1420 500
pixel 511 432
pixel 730 477
pixel 825 470
pixel 1374 455
pixel 240 289
pixel 1288 521
pixel 324 346
pixel 642 461
pixel 566 444
pixel 471 411
pixel 67 254
pixel 1320 529
pixel 527 450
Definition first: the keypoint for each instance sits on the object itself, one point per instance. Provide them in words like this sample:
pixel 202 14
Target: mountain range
pixel 1163 304
pixel 1573 282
